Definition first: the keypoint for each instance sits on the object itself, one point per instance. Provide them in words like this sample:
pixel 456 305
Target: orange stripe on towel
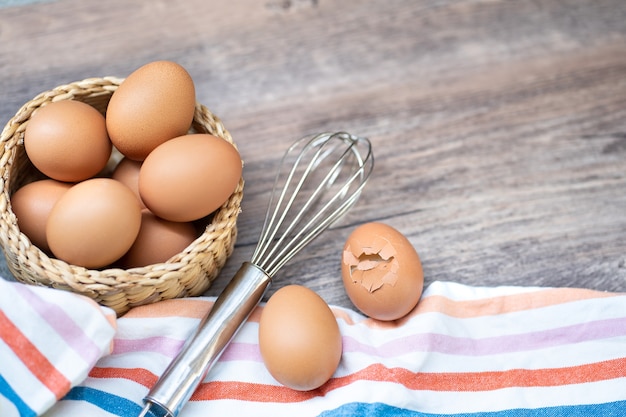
pixel 486 306
pixel 32 358
pixel 431 381
pixel 138 375
pixel 509 303
pixel 451 382
pixel 493 380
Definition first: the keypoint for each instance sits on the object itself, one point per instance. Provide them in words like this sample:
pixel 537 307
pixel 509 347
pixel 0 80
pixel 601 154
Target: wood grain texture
pixel 499 127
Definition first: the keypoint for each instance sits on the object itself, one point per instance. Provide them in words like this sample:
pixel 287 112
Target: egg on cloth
pixel 299 338
pixel 381 271
pixel 94 223
pixel 67 140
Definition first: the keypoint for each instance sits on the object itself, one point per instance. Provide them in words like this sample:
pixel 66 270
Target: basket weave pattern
pixel 189 273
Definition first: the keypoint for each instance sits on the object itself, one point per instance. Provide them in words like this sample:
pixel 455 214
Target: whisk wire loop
pixel 272 224
pixel 273 258
pixel 312 228
pixel 286 231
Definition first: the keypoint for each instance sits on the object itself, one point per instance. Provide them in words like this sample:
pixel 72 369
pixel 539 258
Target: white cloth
pixel 463 352
pixel 49 341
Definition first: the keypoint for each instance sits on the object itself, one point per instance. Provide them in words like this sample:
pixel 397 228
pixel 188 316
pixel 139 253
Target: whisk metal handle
pixel 186 372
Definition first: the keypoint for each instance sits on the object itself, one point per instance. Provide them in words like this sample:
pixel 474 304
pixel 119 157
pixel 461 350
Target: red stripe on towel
pixel 452 382
pixel 32 358
pixel 139 375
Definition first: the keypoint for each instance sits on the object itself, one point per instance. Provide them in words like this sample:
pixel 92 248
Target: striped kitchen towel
pixel 463 352
pixel 49 341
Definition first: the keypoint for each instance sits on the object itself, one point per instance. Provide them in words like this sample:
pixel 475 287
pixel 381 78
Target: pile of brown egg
pixel 142 211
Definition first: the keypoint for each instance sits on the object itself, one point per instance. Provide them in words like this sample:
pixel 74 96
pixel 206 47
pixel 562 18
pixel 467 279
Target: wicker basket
pixel 188 273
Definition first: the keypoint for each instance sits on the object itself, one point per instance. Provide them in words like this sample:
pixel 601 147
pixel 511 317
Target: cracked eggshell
pixel 381 271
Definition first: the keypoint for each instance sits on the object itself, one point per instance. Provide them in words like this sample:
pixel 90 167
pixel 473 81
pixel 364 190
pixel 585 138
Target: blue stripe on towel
pixel 123 407
pixel 7 392
pixel 612 409
pixel 110 403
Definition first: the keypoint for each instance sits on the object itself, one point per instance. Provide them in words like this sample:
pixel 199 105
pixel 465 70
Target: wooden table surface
pixel 499 127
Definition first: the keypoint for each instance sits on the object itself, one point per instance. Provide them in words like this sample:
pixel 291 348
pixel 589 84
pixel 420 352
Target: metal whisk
pixel 319 179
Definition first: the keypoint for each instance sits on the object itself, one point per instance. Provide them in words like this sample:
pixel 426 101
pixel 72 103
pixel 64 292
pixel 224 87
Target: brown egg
pixel 157 241
pixel 67 140
pixel 127 172
pixel 94 223
pixel 189 177
pixel 154 104
pixel 32 204
pixel 381 271
pixel 299 338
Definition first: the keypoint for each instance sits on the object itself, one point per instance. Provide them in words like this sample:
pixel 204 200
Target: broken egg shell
pixel 299 338
pixel 381 271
